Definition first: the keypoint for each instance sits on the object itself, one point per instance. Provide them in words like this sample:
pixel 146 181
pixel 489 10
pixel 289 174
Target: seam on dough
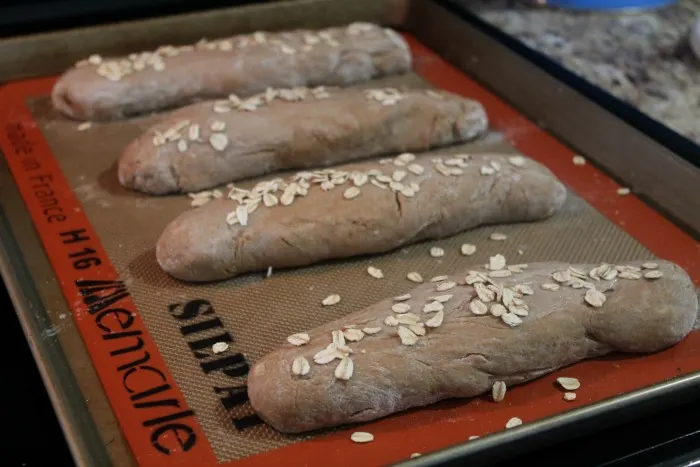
pixel 399 207
pixel 530 373
pixel 295 247
pixel 418 360
pixel 175 174
pixel 362 411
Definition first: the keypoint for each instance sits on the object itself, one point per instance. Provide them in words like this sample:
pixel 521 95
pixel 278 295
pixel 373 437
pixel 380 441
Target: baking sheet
pixel 259 313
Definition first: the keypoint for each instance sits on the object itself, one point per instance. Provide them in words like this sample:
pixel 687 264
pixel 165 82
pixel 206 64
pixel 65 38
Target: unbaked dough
pixel 109 88
pixel 206 145
pixel 468 353
pixel 357 209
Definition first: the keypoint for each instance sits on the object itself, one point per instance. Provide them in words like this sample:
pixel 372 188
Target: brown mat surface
pixel 260 313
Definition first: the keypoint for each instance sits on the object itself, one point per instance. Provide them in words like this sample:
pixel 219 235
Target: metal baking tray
pixel 529 110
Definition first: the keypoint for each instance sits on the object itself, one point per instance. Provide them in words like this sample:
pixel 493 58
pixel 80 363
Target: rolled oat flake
pixel 654 274
pixel 498 391
pixel 219 347
pixel 300 366
pixel 299 339
pixel 438 278
pixel 570 384
pixel 375 272
pixel 468 249
pixel 414 277
pixel 437 252
pixel 513 422
pixel 362 437
pixel 400 307
pixel 331 300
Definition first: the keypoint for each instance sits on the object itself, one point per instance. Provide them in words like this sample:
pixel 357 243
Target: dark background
pixel 33 16
pixel 671 438
pixel 35 437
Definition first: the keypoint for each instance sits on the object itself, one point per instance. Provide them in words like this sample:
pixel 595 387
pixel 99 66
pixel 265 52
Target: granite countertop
pixel 642 57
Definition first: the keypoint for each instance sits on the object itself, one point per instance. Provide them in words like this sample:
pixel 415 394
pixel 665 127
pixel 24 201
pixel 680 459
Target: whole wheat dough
pixel 108 88
pixel 452 194
pixel 181 153
pixel 467 353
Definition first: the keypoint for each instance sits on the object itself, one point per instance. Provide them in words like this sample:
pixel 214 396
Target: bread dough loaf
pixel 204 145
pixel 102 89
pixel 467 353
pixel 358 209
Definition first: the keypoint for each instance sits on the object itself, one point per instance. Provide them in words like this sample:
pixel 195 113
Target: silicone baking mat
pixel 150 336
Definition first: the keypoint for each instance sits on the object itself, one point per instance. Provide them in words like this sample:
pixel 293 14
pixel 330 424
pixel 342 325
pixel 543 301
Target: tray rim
pixel 83 439
pixel 10 264
pixel 548 431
